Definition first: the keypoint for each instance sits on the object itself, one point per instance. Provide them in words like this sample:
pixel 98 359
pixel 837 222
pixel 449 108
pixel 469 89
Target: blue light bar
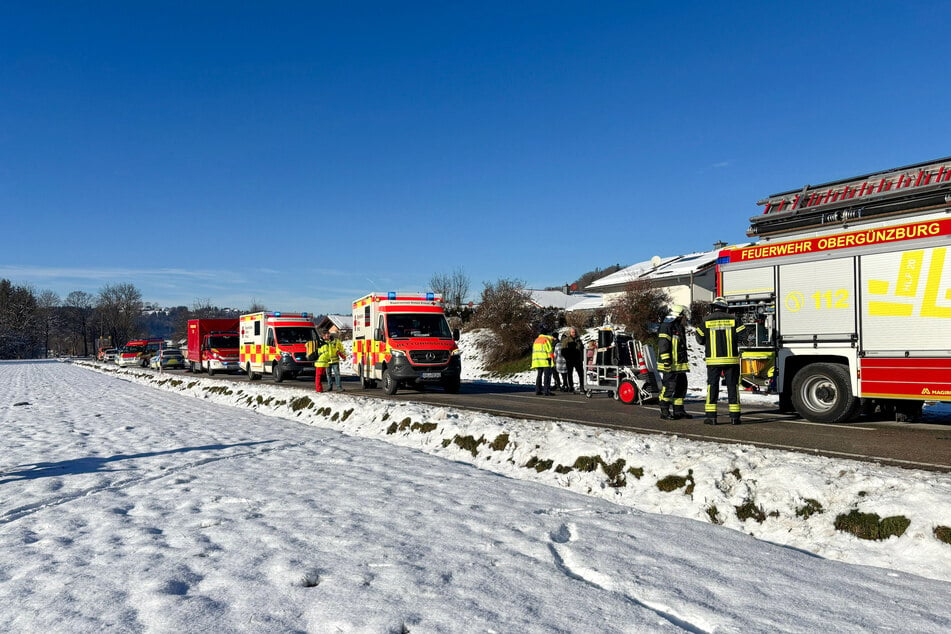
pixel 391 295
pixel 277 314
pixel 303 314
pixel 430 296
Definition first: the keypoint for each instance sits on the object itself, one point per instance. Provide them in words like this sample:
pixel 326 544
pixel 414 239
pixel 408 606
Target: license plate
pixel 431 375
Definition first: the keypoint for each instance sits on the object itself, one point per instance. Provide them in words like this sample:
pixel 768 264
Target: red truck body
pixel 213 345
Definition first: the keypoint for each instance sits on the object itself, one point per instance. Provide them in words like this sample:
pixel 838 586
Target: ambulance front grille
pixel 429 357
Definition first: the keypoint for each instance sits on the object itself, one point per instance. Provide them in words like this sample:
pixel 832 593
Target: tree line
pixel 37 324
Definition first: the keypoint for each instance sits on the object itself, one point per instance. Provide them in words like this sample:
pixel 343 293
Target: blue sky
pixel 302 154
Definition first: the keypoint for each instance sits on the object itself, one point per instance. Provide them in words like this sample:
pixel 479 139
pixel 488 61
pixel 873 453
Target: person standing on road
pixel 560 374
pixel 543 358
pixel 673 364
pixel 336 354
pixel 718 336
pixel 322 362
pixel 573 350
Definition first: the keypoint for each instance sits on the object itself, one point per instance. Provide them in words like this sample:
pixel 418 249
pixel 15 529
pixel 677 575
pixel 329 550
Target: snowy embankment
pixel 130 509
pixel 779 496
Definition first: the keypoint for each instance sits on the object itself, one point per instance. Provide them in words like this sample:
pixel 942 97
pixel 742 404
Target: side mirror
pixel 378 335
pixel 455 334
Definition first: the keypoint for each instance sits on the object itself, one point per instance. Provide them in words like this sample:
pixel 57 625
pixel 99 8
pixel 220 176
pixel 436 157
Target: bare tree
pixel 640 305
pixel 120 308
pixel 47 317
pixel 454 288
pixel 79 307
pixel 256 306
pixel 504 309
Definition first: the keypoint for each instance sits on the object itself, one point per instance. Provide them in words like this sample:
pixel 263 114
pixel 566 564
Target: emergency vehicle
pixel 850 287
pixel 213 345
pixel 281 344
pixel 404 339
pixel 138 352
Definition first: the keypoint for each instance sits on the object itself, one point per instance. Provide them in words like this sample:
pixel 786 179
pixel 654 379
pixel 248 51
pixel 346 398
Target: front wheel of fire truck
pixel 390 384
pixel 822 393
pixel 211 370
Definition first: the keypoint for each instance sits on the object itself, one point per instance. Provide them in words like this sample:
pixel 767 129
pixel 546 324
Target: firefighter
pixel 673 364
pixel 718 336
pixel 543 358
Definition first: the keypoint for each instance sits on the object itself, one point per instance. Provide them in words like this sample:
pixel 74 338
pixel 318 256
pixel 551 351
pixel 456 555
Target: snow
pixel 144 502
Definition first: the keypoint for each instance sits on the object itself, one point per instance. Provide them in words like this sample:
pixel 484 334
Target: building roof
pixel 556 299
pixel 658 268
pixel 342 322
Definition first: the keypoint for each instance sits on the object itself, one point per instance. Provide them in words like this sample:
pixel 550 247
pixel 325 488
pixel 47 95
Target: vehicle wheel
pixel 211 371
pixel 191 367
pixel 822 393
pixel 252 376
pixel 364 381
pixel 452 385
pixel 277 372
pixel 627 392
pixel 389 383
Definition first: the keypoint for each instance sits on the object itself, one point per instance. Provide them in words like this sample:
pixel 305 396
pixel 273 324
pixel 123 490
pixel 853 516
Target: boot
pixel 665 412
pixel 710 419
pixel 680 412
pixel 735 419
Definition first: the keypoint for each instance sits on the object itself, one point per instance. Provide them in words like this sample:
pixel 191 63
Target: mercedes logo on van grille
pixel 430 356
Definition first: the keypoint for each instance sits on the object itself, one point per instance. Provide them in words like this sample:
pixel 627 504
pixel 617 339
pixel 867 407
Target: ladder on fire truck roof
pixel 902 191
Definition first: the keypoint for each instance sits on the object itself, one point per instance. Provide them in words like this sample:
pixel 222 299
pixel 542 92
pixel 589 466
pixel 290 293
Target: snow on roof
pixel 660 268
pixel 555 299
pixel 592 301
pixel 340 321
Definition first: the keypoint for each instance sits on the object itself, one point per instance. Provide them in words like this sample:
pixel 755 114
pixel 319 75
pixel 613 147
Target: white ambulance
pixel 281 344
pixel 404 339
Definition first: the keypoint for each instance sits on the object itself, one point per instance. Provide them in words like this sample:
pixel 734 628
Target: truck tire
pixel 822 393
pixel 390 384
pixel 277 372
pixel 211 370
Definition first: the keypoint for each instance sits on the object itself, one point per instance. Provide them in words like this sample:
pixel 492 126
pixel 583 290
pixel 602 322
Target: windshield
pixel 223 341
pixel 133 348
pixel 296 334
pixel 418 325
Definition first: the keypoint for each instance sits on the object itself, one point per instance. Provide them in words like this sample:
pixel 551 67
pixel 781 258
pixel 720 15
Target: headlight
pixel 457 352
pixel 398 353
pixel 287 355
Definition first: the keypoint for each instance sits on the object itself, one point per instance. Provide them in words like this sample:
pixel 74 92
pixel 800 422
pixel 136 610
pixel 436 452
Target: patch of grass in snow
pixel 674 482
pixel 189 386
pixel 539 465
pixel 749 510
pixel 943 534
pixel 219 389
pixel 714 514
pixel 469 443
pixel 423 428
pixel 871 526
pixel 809 508
pixel 511 367
pixel 346 414
pixel 500 443
pixel 637 472
pixel 300 403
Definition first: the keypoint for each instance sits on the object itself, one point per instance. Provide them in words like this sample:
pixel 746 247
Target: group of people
pixel 718 334
pixel 560 360
pixel 328 351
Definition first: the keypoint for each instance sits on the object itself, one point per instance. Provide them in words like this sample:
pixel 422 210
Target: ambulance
pixel 850 288
pixel 279 344
pixel 403 339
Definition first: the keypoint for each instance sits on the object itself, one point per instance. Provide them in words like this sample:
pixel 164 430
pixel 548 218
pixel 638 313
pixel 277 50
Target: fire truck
pixel 404 339
pixel 849 287
pixel 281 344
pixel 213 345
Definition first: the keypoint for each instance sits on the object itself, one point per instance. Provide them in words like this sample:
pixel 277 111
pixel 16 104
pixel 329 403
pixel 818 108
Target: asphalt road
pixel 923 445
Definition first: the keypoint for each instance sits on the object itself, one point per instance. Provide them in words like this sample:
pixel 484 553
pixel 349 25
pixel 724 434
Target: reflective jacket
pixel 672 347
pixel 718 335
pixel 542 354
pixel 324 354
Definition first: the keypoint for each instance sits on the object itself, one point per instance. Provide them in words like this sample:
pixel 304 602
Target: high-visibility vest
pixel 672 347
pixel 542 353
pixel 718 334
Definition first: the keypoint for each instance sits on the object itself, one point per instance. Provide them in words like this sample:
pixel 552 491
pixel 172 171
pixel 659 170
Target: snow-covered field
pixel 131 508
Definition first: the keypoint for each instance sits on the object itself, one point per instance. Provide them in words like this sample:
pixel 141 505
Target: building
pixel 685 278
pixel 342 323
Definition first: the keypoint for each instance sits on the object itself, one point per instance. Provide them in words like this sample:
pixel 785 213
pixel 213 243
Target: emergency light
pixel 430 296
pixel 391 295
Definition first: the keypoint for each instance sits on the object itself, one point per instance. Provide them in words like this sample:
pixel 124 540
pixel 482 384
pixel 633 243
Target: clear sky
pixel 302 154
